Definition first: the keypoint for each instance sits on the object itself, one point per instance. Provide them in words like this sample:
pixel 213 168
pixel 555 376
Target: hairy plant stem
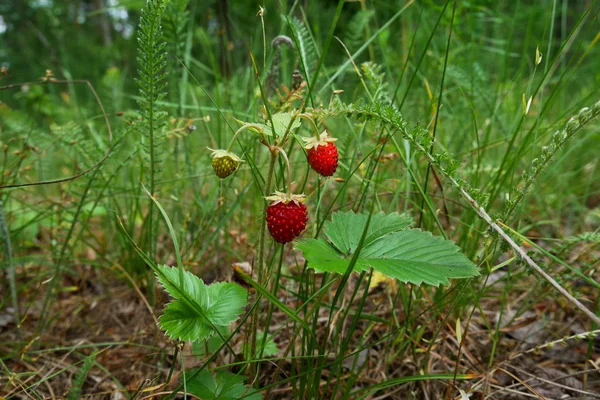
pixel 260 259
pixel 5 236
pixel 258 128
pixel 289 173
pixel 263 223
pixel 312 125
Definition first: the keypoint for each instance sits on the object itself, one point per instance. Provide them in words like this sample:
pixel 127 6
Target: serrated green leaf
pixel 407 255
pixel 174 286
pixel 225 302
pixel 198 309
pixel 322 256
pixel 345 228
pixel 224 386
pixel 179 321
pixel 281 122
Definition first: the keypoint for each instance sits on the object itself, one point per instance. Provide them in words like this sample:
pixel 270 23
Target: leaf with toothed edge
pixel 197 309
pixel 409 255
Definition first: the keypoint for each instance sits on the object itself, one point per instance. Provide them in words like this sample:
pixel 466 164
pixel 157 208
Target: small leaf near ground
pixel 197 309
pixel 201 348
pixel 269 348
pixel 223 386
pixel 407 255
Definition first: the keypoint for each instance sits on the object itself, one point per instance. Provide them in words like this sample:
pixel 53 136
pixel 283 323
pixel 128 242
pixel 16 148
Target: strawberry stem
pixel 289 172
pixel 313 125
pixel 261 254
pixel 258 128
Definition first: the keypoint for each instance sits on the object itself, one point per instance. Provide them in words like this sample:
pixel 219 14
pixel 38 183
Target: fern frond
pixel 152 59
pixel 75 391
pixel 376 81
pixel 176 19
pixel 472 82
pixel 175 24
pixel 305 47
pixel 355 34
pixel 152 84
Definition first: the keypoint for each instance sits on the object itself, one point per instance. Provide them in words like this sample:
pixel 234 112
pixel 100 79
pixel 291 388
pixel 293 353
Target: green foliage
pixel 198 310
pixel 222 386
pixel 407 255
pixel 386 154
pixel 376 82
pixel 557 141
pixel 355 33
pixel 152 84
pixel 176 21
pixel 305 47
pixel 268 349
pixel 282 123
pixel 202 348
pixel 272 80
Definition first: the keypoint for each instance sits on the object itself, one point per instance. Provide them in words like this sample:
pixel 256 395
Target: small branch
pixel 584 116
pixel 484 215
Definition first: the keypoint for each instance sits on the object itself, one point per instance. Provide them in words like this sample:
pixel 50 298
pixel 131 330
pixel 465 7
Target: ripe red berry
pixel 324 158
pixel 286 218
pixel 322 154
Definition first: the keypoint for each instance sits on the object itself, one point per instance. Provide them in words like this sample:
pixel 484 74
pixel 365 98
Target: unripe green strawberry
pixel 224 163
pixel 322 154
pixel 286 216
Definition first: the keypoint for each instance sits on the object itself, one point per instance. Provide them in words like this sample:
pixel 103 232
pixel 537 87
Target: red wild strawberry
pixel 286 216
pixel 322 154
pixel 224 163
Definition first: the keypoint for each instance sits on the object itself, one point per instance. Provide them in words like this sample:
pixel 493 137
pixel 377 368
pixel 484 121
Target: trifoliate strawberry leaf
pixel 197 309
pixel 407 255
pixel 225 302
pixel 282 122
pixel 179 321
pixel 223 386
pixel 322 256
pixel 345 228
pixel 172 281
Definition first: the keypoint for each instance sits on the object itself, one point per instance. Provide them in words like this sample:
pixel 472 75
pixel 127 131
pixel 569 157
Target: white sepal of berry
pixel 313 142
pixel 280 197
pixel 220 153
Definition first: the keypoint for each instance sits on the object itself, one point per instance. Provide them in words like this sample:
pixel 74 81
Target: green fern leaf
pixel 306 47
pixel 223 386
pixel 355 34
pixel 152 84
